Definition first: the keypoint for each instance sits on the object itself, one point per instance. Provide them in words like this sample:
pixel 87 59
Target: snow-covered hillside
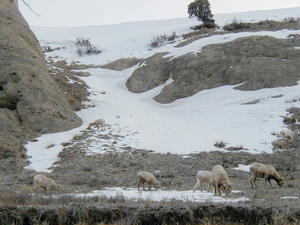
pixel 188 125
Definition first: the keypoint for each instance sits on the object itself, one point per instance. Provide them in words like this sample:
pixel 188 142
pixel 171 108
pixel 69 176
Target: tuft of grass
pixel 236 25
pixel 163 39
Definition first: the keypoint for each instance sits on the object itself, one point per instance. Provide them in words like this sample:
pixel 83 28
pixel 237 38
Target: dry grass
pixel 220 144
pixel 50 146
pixel 264 24
pixel 163 39
pixel 236 25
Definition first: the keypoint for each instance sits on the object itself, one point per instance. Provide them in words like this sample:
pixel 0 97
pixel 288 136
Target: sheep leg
pixel 219 189
pixel 266 181
pixel 251 182
pixel 196 186
pixel 210 183
pixel 269 179
pixel 216 189
pixel 139 184
pixel 149 186
pixel 45 189
pixel 35 187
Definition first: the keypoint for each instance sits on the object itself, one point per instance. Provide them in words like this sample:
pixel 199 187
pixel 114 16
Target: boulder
pixel 150 74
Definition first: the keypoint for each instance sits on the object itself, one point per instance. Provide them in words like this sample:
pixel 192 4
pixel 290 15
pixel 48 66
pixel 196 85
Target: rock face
pixel 147 77
pixel 30 101
pixel 254 62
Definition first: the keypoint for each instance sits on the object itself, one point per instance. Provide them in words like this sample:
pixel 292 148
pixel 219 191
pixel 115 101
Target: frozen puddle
pixel 161 195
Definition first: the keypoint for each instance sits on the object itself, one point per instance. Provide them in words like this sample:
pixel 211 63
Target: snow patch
pixel 161 195
pixel 289 197
pixel 242 167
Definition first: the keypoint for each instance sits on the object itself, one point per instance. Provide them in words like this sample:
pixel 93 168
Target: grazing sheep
pixel 157 174
pixel 98 123
pixel 203 177
pixel 287 134
pixel 46 183
pixel 146 177
pixel 268 172
pixel 221 180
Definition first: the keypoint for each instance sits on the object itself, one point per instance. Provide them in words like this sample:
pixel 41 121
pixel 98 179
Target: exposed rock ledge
pixel 257 62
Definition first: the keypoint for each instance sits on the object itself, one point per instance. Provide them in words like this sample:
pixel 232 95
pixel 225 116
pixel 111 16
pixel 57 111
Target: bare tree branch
pixel 30 8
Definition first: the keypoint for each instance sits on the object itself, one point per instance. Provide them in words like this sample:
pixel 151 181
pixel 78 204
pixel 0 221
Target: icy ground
pixel 188 125
pixel 162 195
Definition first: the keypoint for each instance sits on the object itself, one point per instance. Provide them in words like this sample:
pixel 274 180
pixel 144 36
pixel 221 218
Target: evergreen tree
pixel 201 10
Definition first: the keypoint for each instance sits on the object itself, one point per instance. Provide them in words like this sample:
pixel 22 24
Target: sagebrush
pixel 163 39
pixel 85 47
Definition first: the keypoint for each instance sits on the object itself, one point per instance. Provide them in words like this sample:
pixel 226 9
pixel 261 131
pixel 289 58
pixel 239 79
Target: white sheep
pixel 221 180
pixel 46 183
pixel 203 177
pixel 146 177
pixel 268 172
pixel 287 134
pixel 97 123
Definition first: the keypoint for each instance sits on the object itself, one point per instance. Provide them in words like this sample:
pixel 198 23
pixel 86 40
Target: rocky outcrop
pixel 121 64
pixel 151 74
pixel 254 62
pixel 30 101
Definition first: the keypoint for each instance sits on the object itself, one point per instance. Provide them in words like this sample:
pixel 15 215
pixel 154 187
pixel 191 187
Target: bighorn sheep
pixel 46 183
pixel 98 123
pixel 221 180
pixel 146 177
pixel 268 172
pixel 203 177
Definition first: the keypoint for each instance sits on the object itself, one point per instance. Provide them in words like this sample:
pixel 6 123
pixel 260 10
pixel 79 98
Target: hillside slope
pixel 190 124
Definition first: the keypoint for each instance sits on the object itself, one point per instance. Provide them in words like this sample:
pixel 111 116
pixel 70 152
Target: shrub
pixel 201 10
pixel 236 25
pixel 220 144
pixel 85 47
pixel 290 20
pixel 163 39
